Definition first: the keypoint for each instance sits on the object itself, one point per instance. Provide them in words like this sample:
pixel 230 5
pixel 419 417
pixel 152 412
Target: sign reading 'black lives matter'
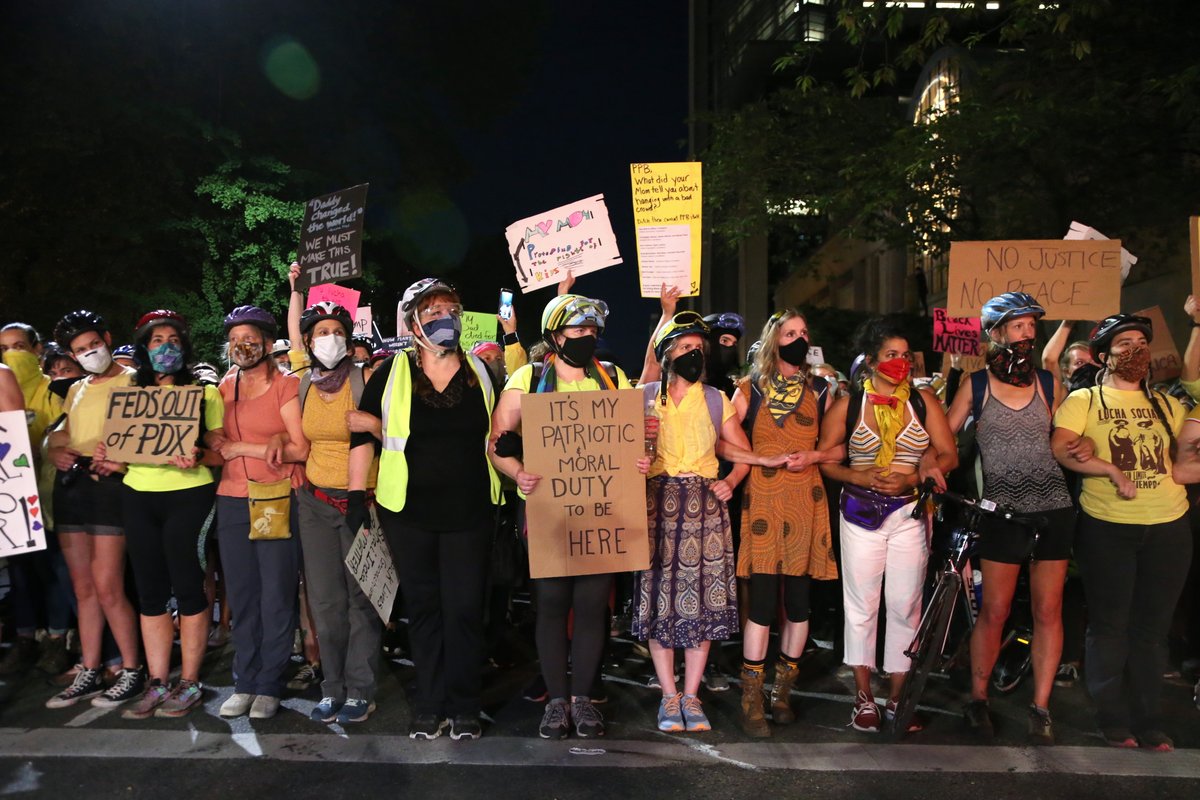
pixel 331 237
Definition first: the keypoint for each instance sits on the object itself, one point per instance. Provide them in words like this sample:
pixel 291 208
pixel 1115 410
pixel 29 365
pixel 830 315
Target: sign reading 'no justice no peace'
pixel 331 237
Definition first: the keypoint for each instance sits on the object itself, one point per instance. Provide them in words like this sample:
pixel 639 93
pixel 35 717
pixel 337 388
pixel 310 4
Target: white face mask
pixel 96 361
pixel 329 350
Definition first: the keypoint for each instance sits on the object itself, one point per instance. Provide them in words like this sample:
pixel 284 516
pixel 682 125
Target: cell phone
pixel 506 296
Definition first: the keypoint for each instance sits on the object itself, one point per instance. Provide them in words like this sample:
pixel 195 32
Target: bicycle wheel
pixel 926 649
pixel 1014 661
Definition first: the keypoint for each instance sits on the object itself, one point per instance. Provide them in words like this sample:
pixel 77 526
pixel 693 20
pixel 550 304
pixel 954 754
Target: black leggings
pixel 556 597
pixel 764 598
pixel 162 535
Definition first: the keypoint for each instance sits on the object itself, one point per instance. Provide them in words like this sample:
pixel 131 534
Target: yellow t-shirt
pixel 515 357
pixel 87 407
pixel 328 464
pixel 519 381
pixel 166 478
pixel 1130 435
pixel 1192 388
pixel 686 438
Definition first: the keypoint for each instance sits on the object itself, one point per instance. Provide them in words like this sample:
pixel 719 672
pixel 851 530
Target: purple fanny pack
pixel 868 509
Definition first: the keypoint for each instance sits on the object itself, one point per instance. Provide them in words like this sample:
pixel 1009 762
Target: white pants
pixel 900 551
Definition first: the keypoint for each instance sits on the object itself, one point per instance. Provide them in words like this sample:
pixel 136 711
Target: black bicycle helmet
pixel 682 324
pixel 326 309
pixel 726 322
pixel 251 315
pixel 77 322
pixel 1104 333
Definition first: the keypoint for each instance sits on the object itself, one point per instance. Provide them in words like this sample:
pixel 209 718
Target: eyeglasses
pixel 439 310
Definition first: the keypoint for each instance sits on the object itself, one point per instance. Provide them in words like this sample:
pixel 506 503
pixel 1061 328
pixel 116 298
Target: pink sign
pixel 346 298
pixel 955 334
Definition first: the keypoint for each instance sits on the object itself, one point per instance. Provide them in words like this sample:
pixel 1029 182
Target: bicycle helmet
pixel 326 309
pixel 1104 333
pixel 251 315
pixel 1010 305
pixel 161 316
pixel 567 310
pixel 77 322
pixel 362 341
pixel 414 294
pixel 684 323
pixel 125 351
pixel 280 347
pixel 726 322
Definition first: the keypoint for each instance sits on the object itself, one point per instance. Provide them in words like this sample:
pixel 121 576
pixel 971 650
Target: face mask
pixel 247 355
pixel 726 358
pixel 689 366
pixel 24 364
pixel 96 361
pixel 443 332
pixel 1013 364
pixel 1133 365
pixel 329 350
pixel 166 359
pixel 795 352
pixel 578 352
pixel 894 369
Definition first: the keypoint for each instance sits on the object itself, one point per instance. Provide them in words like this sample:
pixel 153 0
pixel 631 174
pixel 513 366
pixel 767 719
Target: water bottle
pixel 652 422
pixel 977 587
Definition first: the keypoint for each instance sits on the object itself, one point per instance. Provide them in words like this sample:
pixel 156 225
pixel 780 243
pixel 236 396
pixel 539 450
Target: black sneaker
pixel 589 722
pixel 1066 676
pixel 128 686
pixel 1041 729
pixel 465 727
pixel 87 684
pixel 978 719
pixel 427 726
pixel 556 722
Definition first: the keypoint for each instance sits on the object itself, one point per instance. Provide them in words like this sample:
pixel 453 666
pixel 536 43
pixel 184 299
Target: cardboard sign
pixel 1165 361
pixel 967 364
pixel 815 355
pixel 955 334
pixel 362 322
pixel 576 237
pixel 152 425
pixel 370 562
pixel 1080 231
pixel 667 212
pixel 588 514
pixel 1070 279
pixel 1194 242
pixel 477 326
pixel 21 527
pixel 340 295
pixel 331 237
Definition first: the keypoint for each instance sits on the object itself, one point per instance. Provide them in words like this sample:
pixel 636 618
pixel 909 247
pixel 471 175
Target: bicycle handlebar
pixel 982 505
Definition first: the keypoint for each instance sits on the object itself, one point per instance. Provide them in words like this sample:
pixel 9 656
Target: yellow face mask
pixel 24 365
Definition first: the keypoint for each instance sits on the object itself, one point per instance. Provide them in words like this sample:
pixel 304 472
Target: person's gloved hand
pixel 510 445
pixel 356 511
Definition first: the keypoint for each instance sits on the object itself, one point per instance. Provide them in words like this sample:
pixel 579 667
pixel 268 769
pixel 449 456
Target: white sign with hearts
pixel 22 527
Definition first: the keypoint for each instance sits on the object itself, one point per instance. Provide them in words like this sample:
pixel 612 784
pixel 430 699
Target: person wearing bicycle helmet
pixel 1013 402
pixel 885 430
pixel 1133 543
pixel 262 441
pixel 347 623
pixel 726 330
pixel 87 510
pixel 435 501
pixel 165 508
pixel 571 325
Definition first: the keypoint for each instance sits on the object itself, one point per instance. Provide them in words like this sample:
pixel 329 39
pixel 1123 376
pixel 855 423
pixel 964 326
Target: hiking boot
pixel 781 691
pixel 978 719
pixel 54 657
pixel 1066 676
pixel 693 714
pixel 866 714
pixel 588 720
pixel 306 676
pixel 427 726
pixel 670 714
pixel 130 684
pixel 1041 729
pixel 154 696
pixel 183 697
pixel 87 684
pixel 556 721
pixel 22 655
pixel 753 719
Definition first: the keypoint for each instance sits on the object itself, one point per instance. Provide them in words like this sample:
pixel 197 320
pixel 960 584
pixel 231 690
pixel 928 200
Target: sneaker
pixel 1066 676
pixel 306 676
pixel 693 714
pixel 536 691
pixel 218 637
pixel 22 655
pixel 715 680
pixel 87 684
pixel 66 677
pixel 465 727
pixel 654 683
pixel 588 720
pixel 238 704
pixel 355 710
pixel 670 714
pixel 264 707
pixel 427 726
pixel 54 657
pixel 556 721
pixel 1119 737
pixel 185 695
pixel 978 719
pixel 130 683
pixel 156 692
pixel 1041 729
pixel 889 714
pixel 1157 741
pixel 866 714
pixel 326 710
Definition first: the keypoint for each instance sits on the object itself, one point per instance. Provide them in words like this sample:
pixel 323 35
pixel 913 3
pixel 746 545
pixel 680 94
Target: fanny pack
pixel 868 509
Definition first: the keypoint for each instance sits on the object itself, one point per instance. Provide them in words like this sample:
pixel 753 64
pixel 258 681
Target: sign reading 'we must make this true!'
pixel 331 237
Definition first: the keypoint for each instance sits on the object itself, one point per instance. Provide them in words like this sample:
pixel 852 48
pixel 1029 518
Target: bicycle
pixel 950 583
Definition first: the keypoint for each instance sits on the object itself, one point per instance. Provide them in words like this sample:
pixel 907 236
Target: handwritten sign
pixel 370 562
pixel 394 344
pixel 667 211
pixel 339 295
pixel 477 326
pixel 1070 279
pixel 331 237
pixel 955 334
pixel 576 237
pixel 152 425
pixel 588 514
pixel 1165 362
pixel 362 322
pixel 22 529
pixel 1194 242
pixel 968 364
pixel 815 355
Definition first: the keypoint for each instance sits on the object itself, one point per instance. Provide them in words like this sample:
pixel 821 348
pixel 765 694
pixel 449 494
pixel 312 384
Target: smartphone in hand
pixel 506 298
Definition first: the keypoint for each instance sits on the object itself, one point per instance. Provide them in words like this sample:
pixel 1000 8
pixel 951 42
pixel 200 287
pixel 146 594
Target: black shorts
pixel 1008 542
pixel 90 504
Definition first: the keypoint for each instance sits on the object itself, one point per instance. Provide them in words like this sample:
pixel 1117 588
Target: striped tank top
pixel 864 445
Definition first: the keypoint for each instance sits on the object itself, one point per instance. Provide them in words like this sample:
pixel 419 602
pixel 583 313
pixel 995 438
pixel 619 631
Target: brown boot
pixel 753 721
pixel 785 679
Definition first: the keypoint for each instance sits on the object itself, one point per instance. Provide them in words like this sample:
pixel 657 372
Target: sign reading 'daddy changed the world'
pixel 331 237
pixel 576 237
pixel 21 527
pixel 667 214
pixel 588 514
pixel 152 425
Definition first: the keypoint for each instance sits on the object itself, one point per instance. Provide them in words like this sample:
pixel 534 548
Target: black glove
pixel 356 511
pixel 510 445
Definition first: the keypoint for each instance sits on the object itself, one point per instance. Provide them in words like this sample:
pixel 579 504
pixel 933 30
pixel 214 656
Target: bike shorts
pixel 90 504
pixel 1008 543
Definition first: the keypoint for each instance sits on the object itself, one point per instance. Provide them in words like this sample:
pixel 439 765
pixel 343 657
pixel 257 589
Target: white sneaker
pixel 264 707
pixel 237 704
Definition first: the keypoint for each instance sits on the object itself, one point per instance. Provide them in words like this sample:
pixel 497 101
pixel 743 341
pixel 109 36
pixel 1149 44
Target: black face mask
pixel 578 352
pixel 795 352
pixel 689 366
pixel 725 357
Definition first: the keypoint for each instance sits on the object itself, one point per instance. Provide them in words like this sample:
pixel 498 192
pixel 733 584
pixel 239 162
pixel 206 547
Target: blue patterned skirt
pixel 689 594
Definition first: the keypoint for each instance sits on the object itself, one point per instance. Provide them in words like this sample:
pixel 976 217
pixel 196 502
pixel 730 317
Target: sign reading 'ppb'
pixel 331 237
pixel 152 425
pixel 1070 279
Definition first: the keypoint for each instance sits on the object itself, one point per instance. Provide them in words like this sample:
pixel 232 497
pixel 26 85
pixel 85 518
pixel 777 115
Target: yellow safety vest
pixel 392 488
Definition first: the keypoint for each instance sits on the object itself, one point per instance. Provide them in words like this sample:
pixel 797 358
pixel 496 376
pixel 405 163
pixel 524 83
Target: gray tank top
pixel 1019 471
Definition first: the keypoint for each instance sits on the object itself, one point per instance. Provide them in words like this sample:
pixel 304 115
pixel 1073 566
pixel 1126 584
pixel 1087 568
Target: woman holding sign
pixel 165 507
